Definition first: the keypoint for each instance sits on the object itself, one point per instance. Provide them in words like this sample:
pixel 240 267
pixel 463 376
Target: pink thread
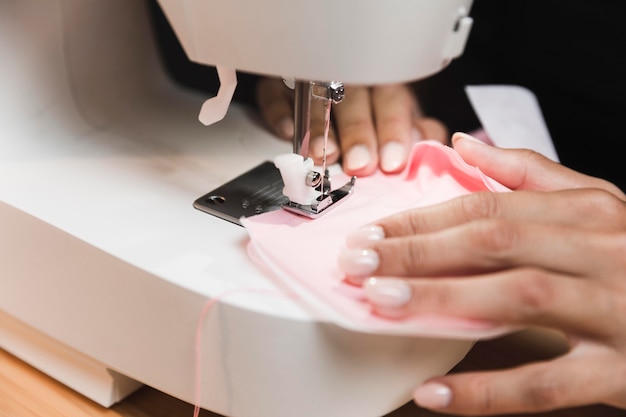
pixel 205 311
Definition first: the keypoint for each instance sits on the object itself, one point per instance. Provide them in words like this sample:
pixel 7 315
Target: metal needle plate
pixel 256 191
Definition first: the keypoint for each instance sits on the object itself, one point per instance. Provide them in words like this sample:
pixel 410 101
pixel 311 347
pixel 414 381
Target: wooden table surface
pixel 26 392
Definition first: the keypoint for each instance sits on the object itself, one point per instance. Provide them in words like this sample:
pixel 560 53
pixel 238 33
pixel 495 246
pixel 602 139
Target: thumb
pixel 524 169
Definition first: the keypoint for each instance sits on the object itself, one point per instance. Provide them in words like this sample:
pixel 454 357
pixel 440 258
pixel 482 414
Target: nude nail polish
pixel 433 395
pixel 317 147
pixel 392 157
pixel 285 128
pixel 416 135
pixel 365 236
pixel 358 262
pixel 388 293
pixel 459 135
pixel 358 157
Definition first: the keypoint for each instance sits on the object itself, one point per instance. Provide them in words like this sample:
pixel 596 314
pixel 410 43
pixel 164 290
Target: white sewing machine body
pixel 364 42
pixel 105 265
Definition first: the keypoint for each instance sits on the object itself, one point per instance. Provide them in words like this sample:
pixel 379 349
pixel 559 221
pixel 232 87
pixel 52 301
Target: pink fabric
pixel 302 253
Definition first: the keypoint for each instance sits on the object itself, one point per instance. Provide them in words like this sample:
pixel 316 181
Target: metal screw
pixel 313 178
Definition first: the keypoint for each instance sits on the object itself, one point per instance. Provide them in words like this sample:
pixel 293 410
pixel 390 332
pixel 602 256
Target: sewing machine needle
pixel 327 106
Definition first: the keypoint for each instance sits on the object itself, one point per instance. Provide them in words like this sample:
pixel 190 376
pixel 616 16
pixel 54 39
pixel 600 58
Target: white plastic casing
pixel 356 42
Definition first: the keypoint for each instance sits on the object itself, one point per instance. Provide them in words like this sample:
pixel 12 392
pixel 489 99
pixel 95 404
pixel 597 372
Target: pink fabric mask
pixel 302 253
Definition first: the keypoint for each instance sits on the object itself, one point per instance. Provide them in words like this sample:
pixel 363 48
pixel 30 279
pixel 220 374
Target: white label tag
pixel 511 117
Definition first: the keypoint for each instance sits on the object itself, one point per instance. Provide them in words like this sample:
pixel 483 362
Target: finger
pixel 492 245
pixel 394 108
pixel 489 245
pixel 355 127
pixel 321 147
pixel 433 129
pixel 565 382
pixel 590 209
pixel 520 297
pixel 524 169
pixel 276 106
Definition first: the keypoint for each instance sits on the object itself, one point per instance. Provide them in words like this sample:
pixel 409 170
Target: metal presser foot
pixel 322 203
pixel 302 189
pixel 262 190
pixel 308 191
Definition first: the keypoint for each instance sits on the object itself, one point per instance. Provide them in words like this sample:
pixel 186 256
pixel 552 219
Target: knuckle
pixel 499 237
pixel 620 376
pixel 484 393
pixel 617 249
pixel 533 291
pixel 543 391
pixel 394 125
pixel 616 214
pixel 546 391
pixel 416 223
pixel 434 295
pixel 480 205
pixel 416 254
pixel 602 204
pixel 619 242
pixel 355 127
pixel 620 310
pixel 532 158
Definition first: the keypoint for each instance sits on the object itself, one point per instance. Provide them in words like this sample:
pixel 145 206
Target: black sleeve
pixel 569 53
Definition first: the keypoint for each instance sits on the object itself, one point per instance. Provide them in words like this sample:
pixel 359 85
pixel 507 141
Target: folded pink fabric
pixel 302 253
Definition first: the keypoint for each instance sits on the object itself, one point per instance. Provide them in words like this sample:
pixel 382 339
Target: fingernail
pixel 317 147
pixel 433 395
pixel 416 135
pixel 459 135
pixel 285 128
pixel 388 293
pixel 365 236
pixel 357 157
pixel 359 262
pixel 392 157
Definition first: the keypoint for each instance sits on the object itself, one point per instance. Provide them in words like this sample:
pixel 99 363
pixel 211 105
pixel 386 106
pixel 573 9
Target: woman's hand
pixel 552 254
pixel 372 127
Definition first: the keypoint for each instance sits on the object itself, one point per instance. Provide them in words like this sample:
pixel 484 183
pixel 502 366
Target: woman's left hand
pixel 374 127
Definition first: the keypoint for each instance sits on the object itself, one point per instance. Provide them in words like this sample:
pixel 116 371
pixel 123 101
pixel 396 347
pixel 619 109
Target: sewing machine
pixel 304 44
pixel 105 267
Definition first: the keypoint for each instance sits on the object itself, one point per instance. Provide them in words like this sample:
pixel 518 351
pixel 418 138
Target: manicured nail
pixel 285 128
pixel 357 157
pixel 317 147
pixel 460 135
pixel 388 293
pixel 365 236
pixel 416 135
pixel 359 262
pixel 392 157
pixel 433 395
